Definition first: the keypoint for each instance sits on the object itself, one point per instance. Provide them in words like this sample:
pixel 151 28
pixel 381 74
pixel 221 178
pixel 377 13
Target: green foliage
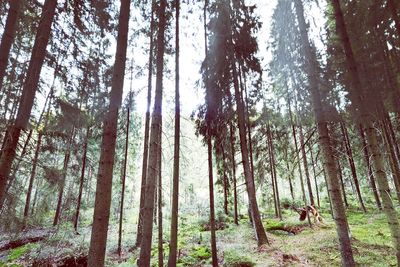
pixel 16 253
pixel 235 258
pixel 199 254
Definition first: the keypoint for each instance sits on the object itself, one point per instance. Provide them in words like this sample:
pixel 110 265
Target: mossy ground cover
pixel 237 246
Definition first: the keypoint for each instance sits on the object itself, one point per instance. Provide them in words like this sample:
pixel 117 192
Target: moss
pixel 16 253
pixel 196 255
pixel 234 258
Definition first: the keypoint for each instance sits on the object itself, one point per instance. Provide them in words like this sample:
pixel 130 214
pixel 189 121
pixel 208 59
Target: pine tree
pixel 104 177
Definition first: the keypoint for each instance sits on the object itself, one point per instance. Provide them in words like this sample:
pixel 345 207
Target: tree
pixel 8 36
pixel 28 94
pixel 146 130
pixel 104 177
pixel 145 248
pixel 175 180
pixel 342 226
pixel 358 96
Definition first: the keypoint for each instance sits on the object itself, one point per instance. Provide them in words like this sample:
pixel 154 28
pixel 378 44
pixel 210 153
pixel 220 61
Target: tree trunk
pixel 305 163
pixel 240 110
pixel 81 180
pixel 32 178
pixel 350 158
pixel 275 188
pixel 339 213
pixel 235 200
pixel 225 181
pixel 255 214
pixel 289 173
pixel 146 132
pixel 8 36
pixel 314 174
pixel 121 209
pixel 377 159
pixel 61 184
pixel 212 209
pixel 145 251
pixel 28 93
pixel 173 245
pixel 340 173
pixel 160 218
pixel 106 165
pixel 369 167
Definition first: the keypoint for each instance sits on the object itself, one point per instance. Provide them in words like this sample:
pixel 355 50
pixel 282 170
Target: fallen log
pixel 290 229
pixel 23 239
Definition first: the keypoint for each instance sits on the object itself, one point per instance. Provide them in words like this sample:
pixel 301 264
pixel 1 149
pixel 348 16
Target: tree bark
pixel 350 158
pixel 212 209
pixel 305 163
pixel 159 202
pixel 146 132
pixel 314 174
pixel 61 184
pixel 121 209
pixel 369 167
pixel 8 36
pixel 395 16
pixel 145 250
pixel 81 180
pixel 235 200
pixel 106 165
pixel 31 180
pixel 28 93
pixel 173 245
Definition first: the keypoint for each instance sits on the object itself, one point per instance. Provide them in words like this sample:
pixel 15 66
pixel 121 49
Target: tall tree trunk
pixel 235 200
pixel 377 159
pixel 146 131
pixel 350 158
pixel 106 165
pixel 81 180
pixel 240 110
pixel 255 213
pixel 305 163
pixel 121 209
pixel 212 209
pixel 32 178
pixel 61 184
pixel 369 167
pixel 159 202
pixel 289 173
pixel 275 188
pixel 314 174
pixel 340 173
pixel 209 149
pixel 8 36
pixel 28 93
pixel 145 250
pixel 173 245
pixel 225 181
pixel 339 213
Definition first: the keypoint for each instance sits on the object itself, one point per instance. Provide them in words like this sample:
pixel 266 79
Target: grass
pixel 237 246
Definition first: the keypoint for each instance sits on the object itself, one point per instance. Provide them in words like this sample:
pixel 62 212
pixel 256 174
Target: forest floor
pixel 236 245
